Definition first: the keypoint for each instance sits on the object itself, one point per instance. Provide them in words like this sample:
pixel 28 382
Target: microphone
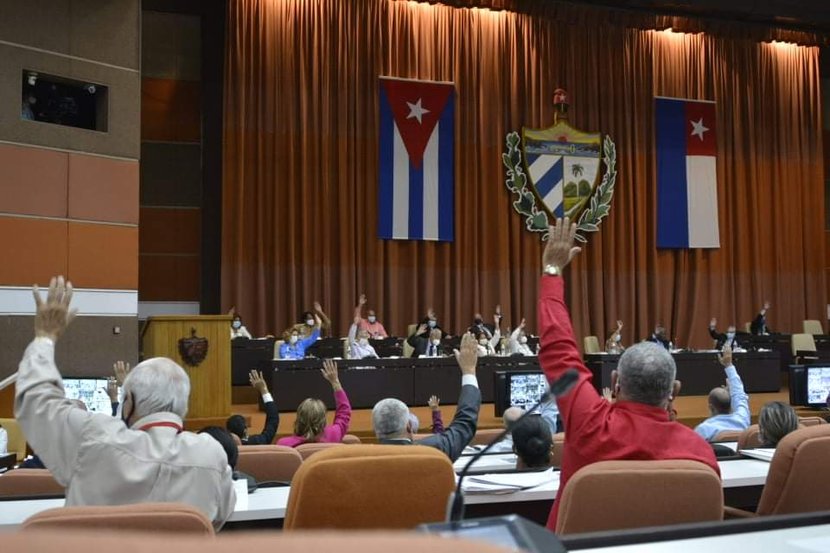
pixel 559 387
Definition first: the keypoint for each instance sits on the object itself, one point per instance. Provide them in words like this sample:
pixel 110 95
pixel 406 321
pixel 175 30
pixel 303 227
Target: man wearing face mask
pixel 721 340
pixel 659 337
pixel 487 341
pixel 614 342
pixel 359 346
pixel 479 326
pixel 146 456
pixel 370 324
pixel 294 346
pixel 425 342
pixel 518 341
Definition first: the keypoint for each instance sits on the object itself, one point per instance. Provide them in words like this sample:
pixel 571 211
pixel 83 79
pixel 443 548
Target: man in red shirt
pixel 637 425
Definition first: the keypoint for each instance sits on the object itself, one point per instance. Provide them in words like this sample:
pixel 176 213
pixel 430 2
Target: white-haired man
pixel 636 426
pixel 145 456
pixel 392 425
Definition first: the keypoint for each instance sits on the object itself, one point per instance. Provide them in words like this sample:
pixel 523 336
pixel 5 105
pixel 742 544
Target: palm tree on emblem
pixel 577 170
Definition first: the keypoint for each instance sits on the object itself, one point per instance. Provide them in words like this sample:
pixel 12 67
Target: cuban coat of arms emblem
pixel 558 172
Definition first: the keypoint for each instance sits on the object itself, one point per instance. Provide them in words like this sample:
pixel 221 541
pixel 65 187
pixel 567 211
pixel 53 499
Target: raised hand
pixel 560 249
pixel 362 300
pixel 54 315
pixel 357 320
pixel 433 402
pixel 112 389
pixel 329 371
pixel 725 356
pixel 121 370
pixel 317 307
pixel 467 356
pixel 317 320
pixel 498 310
pixel 256 380
pixel 421 329
pixel 608 395
pixel 767 305
pixel 619 325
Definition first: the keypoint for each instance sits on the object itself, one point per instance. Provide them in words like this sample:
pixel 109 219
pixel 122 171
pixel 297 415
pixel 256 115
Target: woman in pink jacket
pixel 310 425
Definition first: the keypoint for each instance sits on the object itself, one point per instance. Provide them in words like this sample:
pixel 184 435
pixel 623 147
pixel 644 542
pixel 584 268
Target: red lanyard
pixel 178 427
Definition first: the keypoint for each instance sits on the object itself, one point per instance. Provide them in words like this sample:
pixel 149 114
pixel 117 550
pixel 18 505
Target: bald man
pixel 729 405
pixel 509 418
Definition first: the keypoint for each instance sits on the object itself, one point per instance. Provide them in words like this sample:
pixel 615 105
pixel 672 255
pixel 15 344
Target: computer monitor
pixel 92 391
pixel 818 385
pixel 518 389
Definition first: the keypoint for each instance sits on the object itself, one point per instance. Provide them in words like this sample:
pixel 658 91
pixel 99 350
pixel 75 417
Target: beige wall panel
pixel 101 30
pixel 123 136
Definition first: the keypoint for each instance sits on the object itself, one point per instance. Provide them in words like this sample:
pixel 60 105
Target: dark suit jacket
pixel 662 341
pixel 460 431
pixel 720 339
pixel 272 423
pixel 759 325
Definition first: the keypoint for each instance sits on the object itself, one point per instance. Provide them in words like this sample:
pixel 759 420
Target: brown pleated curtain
pixel 301 167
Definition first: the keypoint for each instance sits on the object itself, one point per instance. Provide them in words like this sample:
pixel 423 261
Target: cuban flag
pixel 687 191
pixel 417 135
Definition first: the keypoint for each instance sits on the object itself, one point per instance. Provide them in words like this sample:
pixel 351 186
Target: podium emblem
pixel 557 172
pixel 194 349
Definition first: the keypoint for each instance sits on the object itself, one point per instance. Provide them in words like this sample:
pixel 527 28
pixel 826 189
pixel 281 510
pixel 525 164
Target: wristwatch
pixel 552 270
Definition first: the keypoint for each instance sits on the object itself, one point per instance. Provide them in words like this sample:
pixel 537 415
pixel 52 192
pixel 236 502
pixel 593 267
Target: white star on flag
pixel 698 129
pixel 416 111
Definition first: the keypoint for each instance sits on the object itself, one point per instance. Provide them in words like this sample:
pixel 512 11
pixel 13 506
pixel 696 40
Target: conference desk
pixel 367 381
pixel 267 506
pixel 701 371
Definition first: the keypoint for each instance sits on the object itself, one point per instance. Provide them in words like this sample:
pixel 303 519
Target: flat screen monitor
pixel 92 391
pixel 518 389
pixel 818 385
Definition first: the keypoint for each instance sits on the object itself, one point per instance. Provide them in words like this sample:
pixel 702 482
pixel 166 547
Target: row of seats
pixel 751 436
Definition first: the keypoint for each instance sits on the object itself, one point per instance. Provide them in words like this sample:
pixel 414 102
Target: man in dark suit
pixel 236 423
pixel 659 336
pixel 759 323
pixel 426 342
pixel 722 339
pixel 390 417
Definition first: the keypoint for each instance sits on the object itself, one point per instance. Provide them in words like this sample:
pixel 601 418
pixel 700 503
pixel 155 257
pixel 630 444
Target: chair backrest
pixel 17 441
pixel 146 517
pixel 351 439
pixel 598 497
pixel 728 436
pixel 812 326
pixel 591 344
pixel 407 349
pixel 26 482
pixel 748 328
pixel 810 421
pixel 558 449
pixel 485 436
pixel 277 345
pixel 798 481
pixel 307 450
pixel 395 486
pixel 751 437
pixel 802 342
pixel 268 463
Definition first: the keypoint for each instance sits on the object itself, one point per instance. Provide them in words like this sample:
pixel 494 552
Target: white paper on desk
pixel 761 453
pixel 241 488
pixel 819 544
pixel 506 482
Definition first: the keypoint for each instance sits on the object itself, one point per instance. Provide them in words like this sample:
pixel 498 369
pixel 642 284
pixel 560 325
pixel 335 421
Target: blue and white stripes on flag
pixel 687 183
pixel 416 160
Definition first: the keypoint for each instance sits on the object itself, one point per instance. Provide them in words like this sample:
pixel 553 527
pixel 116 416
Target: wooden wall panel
pixel 33 181
pixel 103 189
pixel 171 110
pixel 170 231
pixel 103 256
pixel 32 250
pixel 169 278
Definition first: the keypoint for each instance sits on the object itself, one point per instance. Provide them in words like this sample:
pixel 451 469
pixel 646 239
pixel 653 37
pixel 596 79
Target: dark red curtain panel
pixel 301 168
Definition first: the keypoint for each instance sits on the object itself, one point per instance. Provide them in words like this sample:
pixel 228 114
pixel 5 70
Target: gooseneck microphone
pixel 559 387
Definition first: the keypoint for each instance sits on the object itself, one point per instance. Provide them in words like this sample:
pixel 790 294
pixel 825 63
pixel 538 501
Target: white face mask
pixel 436 342
pixel 237 324
pixel 483 341
pixel 372 319
pixel 617 338
pixel 363 341
pixel 523 340
pixel 309 322
pixel 293 339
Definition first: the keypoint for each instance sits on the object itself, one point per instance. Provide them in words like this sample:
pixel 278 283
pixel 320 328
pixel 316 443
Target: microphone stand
pixel 559 387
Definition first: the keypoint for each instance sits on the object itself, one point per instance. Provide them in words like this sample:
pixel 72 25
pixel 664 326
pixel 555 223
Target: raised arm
pixel 496 338
pixel 353 330
pixel 737 394
pixel 343 411
pixel 324 319
pixel 310 339
pixel 272 414
pixel 358 309
pixel 713 329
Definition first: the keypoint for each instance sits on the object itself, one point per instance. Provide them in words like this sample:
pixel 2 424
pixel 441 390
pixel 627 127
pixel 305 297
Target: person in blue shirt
pixel 294 346
pixel 729 407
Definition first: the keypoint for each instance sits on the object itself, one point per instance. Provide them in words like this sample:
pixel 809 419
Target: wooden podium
pixel 210 381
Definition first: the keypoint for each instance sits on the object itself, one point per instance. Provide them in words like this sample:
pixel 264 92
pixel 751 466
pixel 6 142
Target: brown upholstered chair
pixel 798 481
pixel 17 441
pixel 728 436
pixel 810 421
pixel 144 517
pixel 351 439
pixel 84 541
pixel 309 449
pixel 269 463
pixel 395 486
pixel 485 436
pixel 751 437
pixel 599 496
pixel 558 449
pixel 28 482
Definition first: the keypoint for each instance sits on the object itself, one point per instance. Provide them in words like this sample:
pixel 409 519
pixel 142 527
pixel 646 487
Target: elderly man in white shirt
pixel 145 456
pixel 518 341
pixel 359 346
